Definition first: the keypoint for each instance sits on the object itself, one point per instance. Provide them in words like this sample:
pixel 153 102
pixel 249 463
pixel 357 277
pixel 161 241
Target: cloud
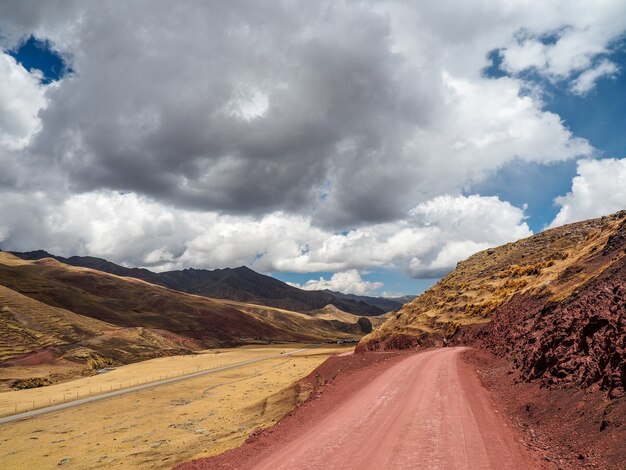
pixel 599 189
pixel 564 40
pixel 348 282
pixel 139 231
pixel 353 113
pixel 587 80
pixel 21 99
pixel 287 136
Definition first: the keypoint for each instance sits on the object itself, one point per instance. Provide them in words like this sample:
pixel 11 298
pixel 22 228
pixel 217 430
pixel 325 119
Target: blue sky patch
pixel 494 69
pixel 598 116
pixel 36 54
pixel 533 184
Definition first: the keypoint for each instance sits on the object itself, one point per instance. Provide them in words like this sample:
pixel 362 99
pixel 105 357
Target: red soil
pixel 48 262
pixel 569 427
pixel 45 356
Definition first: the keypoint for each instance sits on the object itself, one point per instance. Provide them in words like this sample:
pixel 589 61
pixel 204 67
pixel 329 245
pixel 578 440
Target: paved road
pixel 117 393
pixel 428 411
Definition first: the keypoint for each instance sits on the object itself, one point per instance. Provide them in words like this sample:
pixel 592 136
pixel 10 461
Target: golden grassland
pixel 159 427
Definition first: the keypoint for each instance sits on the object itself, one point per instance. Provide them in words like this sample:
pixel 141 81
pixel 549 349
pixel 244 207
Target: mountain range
pixel 73 319
pixel 239 284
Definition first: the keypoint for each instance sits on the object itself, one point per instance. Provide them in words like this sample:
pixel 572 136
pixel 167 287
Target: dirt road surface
pixel 428 411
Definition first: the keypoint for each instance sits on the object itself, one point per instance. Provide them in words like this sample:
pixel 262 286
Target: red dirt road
pixel 428 411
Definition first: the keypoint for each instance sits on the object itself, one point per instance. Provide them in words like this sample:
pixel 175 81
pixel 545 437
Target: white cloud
pixel 599 189
pixel 562 39
pixel 462 226
pixel 348 282
pixel 141 232
pixel 492 122
pixel 297 116
pixel 587 80
pixel 392 294
pixel 21 99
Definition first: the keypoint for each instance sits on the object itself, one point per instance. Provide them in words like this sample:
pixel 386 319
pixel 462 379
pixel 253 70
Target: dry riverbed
pixel 159 427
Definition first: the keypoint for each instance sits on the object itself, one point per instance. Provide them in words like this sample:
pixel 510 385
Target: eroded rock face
pixel 579 341
pixel 399 342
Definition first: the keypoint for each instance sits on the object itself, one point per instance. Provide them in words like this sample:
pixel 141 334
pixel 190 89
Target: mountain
pixel 240 284
pixel 383 303
pixel 554 303
pixel 62 315
pixel 405 299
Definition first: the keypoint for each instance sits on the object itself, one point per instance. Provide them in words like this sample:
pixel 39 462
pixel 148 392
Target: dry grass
pixel 27 325
pixel 554 262
pixel 160 427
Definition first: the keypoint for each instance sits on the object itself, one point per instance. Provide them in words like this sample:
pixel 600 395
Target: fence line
pixel 69 396
pixel 25 408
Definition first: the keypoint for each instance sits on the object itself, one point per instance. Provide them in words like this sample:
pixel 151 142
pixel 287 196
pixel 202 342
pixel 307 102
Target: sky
pixel 364 147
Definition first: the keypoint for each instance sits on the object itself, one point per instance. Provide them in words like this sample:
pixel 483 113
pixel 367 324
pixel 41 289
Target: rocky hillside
pixel 240 284
pixel 555 302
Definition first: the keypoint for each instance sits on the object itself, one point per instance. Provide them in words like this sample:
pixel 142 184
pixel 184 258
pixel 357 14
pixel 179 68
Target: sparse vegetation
pixel 197 417
pixel 481 310
pixel 96 362
pixel 34 382
pixel 451 328
pixel 520 271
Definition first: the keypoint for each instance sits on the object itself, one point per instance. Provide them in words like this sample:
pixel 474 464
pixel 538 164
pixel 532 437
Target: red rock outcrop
pixel 579 341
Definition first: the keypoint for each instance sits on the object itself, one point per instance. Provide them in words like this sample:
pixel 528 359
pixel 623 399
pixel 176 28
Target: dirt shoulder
pixel 568 427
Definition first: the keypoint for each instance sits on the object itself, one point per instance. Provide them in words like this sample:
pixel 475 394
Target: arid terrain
pixel 61 322
pixel 538 381
pixel 312 235
pixel 159 427
pixel 241 284
pixel 553 308
pixel 546 318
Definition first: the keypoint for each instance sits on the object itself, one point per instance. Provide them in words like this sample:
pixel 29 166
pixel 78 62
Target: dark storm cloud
pixel 154 107
pixel 249 107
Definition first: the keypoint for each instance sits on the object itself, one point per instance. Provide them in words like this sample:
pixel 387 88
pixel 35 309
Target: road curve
pixel 428 411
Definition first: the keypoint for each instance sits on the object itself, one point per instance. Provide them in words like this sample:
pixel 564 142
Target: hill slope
pixel 554 301
pixel 54 312
pixel 239 284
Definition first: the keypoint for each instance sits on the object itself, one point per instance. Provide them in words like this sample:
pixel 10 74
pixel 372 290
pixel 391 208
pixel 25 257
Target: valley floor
pixel 156 428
